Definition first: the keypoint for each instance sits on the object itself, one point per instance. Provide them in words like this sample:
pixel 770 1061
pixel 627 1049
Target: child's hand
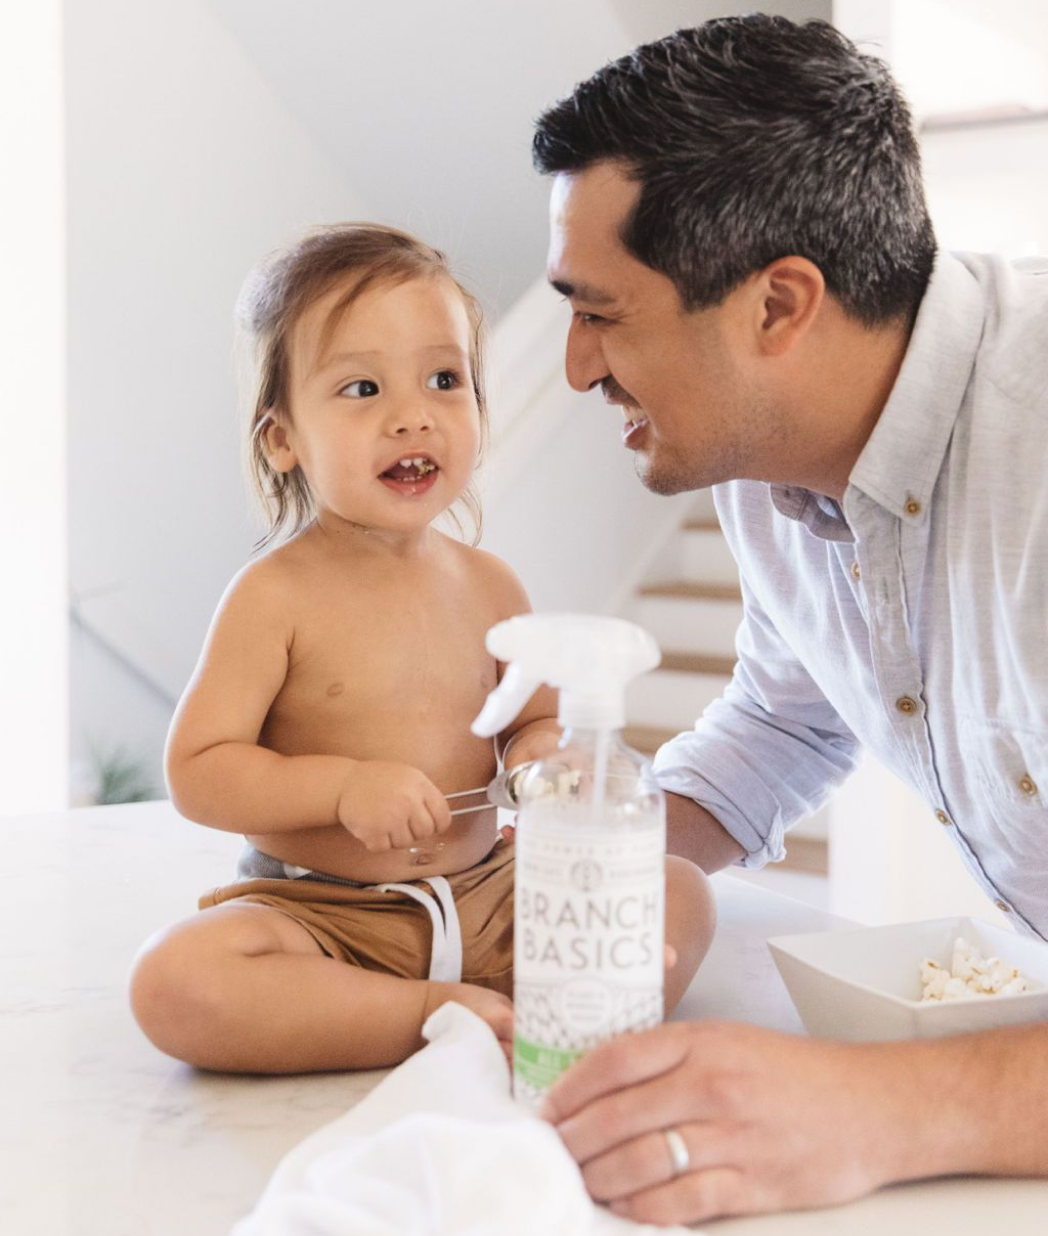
pixel 390 806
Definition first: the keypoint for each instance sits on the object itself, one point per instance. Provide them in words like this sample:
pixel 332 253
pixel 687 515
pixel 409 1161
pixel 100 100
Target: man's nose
pixel 584 363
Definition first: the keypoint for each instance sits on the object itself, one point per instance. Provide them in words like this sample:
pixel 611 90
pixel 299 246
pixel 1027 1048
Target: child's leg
pixel 691 917
pixel 244 988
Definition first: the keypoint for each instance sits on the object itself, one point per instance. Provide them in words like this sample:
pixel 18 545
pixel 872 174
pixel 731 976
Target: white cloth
pixel 438 1148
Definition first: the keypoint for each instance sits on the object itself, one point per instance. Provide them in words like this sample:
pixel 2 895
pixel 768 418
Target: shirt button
pixel 943 818
pixel 1027 784
pixel 1003 906
pixel 856 573
pixel 907 705
pixel 913 507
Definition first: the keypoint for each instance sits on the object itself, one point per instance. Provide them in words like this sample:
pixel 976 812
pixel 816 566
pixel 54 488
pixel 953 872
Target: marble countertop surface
pixel 102 1135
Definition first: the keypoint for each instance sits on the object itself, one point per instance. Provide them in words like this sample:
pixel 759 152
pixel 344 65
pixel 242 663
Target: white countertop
pixel 101 1135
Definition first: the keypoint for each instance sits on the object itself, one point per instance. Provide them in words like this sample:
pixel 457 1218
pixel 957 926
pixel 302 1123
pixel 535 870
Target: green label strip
pixel 540 1066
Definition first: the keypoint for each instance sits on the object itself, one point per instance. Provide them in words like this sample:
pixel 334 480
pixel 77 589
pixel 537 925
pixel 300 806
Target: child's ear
pixel 275 442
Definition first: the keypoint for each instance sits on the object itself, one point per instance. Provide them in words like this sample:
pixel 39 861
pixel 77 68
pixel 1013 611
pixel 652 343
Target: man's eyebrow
pixel 582 291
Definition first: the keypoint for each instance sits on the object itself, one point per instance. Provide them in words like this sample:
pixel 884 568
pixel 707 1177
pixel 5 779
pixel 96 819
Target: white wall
pixel 33 671
pixel 431 106
pixel 202 133
pixel 183 169
pixel 988 186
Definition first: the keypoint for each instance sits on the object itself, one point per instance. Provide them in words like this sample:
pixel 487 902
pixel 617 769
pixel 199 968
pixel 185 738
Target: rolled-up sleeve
pixel 768 752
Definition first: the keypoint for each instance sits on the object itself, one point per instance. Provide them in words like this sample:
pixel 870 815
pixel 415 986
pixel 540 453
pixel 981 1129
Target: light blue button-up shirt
pixel 913 618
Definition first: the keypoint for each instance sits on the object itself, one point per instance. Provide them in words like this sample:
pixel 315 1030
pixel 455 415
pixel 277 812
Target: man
pixel 739 225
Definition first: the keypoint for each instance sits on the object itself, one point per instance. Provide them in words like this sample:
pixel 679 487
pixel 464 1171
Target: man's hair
pixel 275 295
pixel 754 138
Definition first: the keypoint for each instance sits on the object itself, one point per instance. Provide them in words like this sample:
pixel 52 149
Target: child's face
pixel 391 382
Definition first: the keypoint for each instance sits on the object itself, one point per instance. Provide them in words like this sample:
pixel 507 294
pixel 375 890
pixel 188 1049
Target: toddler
pixel 328 718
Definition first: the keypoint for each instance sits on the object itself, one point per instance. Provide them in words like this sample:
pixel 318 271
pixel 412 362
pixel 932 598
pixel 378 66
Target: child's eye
pixel 362 388
pixel 445 380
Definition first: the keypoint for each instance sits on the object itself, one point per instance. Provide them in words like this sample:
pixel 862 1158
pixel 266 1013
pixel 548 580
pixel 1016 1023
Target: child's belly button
pixel 333 851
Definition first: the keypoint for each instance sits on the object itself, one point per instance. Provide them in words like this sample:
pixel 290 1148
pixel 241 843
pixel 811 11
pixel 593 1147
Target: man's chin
pixel 661 480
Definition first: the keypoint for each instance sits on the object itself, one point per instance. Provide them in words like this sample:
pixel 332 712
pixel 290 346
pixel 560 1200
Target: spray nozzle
pixel 589 658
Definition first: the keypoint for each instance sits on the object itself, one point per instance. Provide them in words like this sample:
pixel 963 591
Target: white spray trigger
pixel 588 658
pixel 505 702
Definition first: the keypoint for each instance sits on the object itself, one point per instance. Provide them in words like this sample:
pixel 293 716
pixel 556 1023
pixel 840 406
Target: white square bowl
pixel 863 984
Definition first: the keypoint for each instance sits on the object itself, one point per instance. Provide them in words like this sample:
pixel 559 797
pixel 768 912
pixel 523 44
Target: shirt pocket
pixel 1008 761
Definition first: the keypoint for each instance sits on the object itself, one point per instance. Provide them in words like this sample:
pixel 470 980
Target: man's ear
pixel 791 292
pixel 276 444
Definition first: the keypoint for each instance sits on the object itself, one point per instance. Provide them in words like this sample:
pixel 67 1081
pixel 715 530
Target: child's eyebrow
pixel 342 358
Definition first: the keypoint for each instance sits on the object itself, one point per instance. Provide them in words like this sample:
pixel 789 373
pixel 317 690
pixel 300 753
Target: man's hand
pixel 390 806
pixel 771 1121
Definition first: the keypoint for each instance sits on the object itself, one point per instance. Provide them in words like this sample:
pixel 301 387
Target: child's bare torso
pixel 387 662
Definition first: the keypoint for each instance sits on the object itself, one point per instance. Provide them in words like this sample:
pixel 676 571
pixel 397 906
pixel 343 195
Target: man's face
pixel 679 377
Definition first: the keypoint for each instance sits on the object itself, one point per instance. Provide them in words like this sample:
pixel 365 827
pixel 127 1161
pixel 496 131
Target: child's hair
pixel 274 297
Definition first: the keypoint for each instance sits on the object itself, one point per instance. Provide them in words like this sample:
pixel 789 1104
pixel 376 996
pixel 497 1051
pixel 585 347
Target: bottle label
pixel 588 933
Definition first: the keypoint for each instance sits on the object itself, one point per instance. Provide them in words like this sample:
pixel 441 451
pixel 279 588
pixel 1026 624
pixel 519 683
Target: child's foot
pixel 490 1006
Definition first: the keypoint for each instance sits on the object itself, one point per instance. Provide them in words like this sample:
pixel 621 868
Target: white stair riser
pixel 667 699
pixel 705 557
pixel 687 624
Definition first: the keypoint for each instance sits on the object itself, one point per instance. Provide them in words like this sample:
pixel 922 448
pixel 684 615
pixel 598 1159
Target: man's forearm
pixel 974 1103
pixel 695 834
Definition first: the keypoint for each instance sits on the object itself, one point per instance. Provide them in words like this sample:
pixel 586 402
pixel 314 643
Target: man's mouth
pixel 412 474
pixel 633 432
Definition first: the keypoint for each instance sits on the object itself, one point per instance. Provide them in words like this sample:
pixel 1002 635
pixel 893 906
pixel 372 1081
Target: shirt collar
pixel 900 462
pixel 819 514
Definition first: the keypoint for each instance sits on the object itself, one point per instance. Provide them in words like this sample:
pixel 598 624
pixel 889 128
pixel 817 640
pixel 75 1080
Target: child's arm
pixel 219 775
pixel 534 734
pixel 531 739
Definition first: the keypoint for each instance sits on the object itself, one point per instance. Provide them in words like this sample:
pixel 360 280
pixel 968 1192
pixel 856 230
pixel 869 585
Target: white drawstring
pixel 445 962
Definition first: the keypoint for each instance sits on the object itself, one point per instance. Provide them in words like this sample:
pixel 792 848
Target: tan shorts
pixel 391 932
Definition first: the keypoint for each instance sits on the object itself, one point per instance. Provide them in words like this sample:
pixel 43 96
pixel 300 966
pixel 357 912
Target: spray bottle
pixel 591 842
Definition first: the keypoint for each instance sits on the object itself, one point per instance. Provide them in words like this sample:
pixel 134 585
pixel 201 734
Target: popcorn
pixel 970 975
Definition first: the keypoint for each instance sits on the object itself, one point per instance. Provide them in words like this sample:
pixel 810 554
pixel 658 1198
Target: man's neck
pixel 844 381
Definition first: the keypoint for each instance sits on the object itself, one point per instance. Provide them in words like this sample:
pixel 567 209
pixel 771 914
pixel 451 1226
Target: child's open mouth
pixel 415 474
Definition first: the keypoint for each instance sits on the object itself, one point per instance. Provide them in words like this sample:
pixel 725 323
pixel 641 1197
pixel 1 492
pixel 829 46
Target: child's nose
pixel 413 418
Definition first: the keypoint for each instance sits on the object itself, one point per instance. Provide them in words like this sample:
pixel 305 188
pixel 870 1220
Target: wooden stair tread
pixel 810 854
pixel 647 738
pixel 686 589
pixel 702 525
pixel 697 663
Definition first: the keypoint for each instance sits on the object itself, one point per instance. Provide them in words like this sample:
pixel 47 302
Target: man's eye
pixel 589 319
pixel 363 388
pixel 445 380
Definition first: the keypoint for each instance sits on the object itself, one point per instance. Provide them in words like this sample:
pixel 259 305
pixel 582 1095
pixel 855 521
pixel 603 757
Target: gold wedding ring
pixel 678 1149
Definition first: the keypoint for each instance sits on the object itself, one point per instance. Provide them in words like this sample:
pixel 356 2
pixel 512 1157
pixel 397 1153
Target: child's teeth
pixel 405 463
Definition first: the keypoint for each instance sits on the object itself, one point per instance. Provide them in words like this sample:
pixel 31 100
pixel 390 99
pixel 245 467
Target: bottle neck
pixel 587 739
pixel 597 712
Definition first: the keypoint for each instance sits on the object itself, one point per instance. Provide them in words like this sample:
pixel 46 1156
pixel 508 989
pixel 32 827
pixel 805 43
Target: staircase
pixel 692 604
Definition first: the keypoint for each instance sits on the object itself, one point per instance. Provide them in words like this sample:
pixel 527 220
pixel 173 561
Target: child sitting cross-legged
pixel 328 718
